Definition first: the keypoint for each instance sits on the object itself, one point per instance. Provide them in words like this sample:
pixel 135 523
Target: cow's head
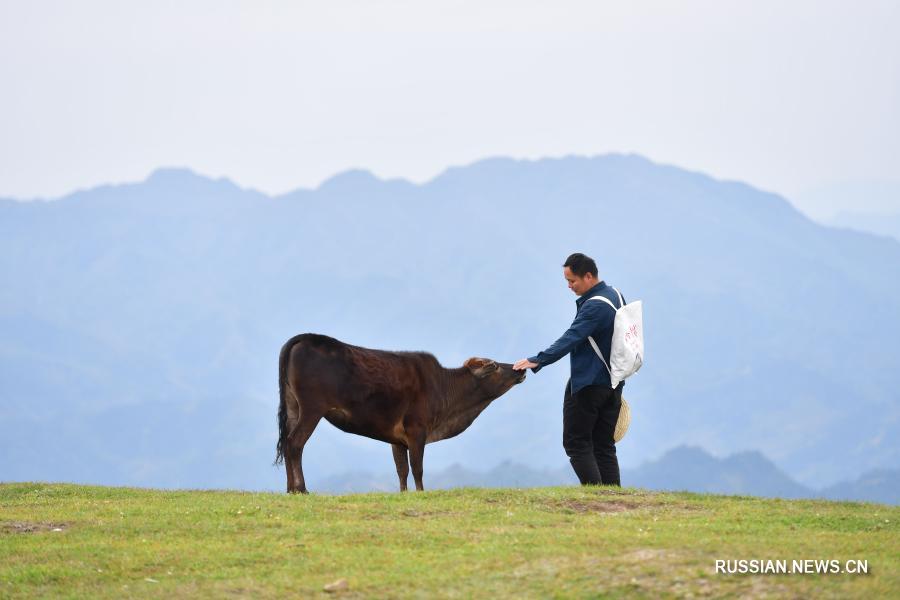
pixel 493 378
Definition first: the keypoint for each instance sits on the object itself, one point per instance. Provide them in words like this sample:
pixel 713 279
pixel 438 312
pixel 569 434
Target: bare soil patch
pixel 607 490
pixel 426 513
pixel 27 527
pixel 599 506
pixel 646 554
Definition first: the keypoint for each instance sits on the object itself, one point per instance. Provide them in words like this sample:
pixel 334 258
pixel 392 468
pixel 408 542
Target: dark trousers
pixel 589 420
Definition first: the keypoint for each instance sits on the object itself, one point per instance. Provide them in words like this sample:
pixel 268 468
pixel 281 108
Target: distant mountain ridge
pixel 684 468
pixel 144 320
pixel 877 223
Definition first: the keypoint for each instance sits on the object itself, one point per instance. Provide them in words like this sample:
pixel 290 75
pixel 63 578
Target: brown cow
pixel 406 399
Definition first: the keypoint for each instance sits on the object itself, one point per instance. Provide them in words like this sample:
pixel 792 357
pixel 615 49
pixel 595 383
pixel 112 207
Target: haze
pixel 798 98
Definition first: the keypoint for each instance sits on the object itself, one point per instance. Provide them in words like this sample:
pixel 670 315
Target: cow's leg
pixel 416 453
pixel 401 459
pixel 295 443
pixel 289 466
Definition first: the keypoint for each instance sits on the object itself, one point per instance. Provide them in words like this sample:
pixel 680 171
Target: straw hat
pixel 623 422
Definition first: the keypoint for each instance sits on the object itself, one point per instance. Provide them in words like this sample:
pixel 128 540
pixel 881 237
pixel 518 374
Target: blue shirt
pixel 595 319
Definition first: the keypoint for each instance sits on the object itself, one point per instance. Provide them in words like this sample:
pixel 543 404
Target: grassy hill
pixel 100 542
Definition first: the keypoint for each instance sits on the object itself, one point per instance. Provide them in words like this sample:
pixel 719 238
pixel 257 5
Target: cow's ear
pixel 474 363
pixel 478 366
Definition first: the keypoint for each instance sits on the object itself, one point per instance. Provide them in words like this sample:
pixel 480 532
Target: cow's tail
pixel 282 408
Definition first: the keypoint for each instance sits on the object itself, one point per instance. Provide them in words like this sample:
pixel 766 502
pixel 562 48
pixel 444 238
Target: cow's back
pixel 320 360
pixel 360 390
pixel 338 365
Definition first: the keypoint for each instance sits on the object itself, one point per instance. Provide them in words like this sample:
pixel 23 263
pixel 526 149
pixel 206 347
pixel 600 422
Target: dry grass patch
pixel 598 506
pixel 28 527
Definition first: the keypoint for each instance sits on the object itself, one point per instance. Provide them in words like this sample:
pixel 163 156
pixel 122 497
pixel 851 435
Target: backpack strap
pixel 607 300
pixel 591 339
pixel 621 301
pixel 600 354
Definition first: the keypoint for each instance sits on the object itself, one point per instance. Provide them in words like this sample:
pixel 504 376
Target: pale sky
pixel 790 96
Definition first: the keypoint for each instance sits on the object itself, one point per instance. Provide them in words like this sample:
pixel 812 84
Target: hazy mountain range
pixel 141 323
pixel 682 468
pixel 872 222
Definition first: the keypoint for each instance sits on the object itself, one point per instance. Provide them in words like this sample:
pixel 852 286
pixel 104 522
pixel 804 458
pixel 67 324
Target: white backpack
pixel 626 355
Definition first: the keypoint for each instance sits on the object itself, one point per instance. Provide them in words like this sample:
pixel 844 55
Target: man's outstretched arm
pixel 587 319
pixel 524 363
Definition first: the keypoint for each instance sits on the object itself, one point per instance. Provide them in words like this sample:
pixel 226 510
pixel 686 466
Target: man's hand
pixel 524 364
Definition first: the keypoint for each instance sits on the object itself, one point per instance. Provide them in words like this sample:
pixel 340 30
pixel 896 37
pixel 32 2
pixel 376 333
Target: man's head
pixel 581 273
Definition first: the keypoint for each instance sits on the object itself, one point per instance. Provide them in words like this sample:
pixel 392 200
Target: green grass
pixel 546 542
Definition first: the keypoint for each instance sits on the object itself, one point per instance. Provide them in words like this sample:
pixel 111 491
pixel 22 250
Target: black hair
pixel 581 265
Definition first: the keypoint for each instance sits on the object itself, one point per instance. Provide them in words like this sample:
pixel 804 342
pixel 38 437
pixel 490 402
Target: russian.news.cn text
pixel 808 566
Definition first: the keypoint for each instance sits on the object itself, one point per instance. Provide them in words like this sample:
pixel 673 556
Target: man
pixel 590 406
